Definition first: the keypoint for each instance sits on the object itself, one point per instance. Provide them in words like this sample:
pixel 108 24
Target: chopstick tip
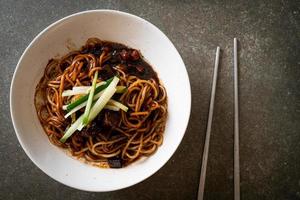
pixel 235 42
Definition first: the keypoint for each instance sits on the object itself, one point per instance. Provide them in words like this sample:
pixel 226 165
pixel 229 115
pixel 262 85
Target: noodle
pixel 121 136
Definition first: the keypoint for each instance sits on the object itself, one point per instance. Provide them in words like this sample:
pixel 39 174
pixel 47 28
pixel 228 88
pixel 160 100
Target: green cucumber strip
pixel 90 100
pixel 72 129
pixel 118 104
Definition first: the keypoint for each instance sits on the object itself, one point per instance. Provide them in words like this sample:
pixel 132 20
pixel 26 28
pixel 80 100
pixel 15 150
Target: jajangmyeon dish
pixel 103 103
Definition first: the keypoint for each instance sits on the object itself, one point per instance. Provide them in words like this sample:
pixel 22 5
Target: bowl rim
pixel 16 129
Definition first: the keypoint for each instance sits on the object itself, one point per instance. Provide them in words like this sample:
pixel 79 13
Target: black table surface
pixel 269 35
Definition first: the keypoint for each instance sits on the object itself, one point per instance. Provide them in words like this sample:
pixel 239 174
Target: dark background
pixel 269 35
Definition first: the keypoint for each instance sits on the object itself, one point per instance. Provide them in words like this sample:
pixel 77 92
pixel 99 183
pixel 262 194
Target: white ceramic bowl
pixel 73 31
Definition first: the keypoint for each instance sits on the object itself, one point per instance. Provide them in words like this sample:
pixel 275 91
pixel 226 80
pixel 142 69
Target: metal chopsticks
pixel 208 128
pixel 236 125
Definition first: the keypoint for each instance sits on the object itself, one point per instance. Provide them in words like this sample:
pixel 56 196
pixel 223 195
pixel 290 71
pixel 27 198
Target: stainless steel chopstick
pixel 236 125
pixel 208 129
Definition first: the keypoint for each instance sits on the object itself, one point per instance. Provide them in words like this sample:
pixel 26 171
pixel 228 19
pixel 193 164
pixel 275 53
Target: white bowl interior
pixel 72 32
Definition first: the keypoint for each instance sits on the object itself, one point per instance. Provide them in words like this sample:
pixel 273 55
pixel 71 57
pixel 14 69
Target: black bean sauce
pixel 130 60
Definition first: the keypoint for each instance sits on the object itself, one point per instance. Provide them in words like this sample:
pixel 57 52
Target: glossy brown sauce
pixel 130 60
